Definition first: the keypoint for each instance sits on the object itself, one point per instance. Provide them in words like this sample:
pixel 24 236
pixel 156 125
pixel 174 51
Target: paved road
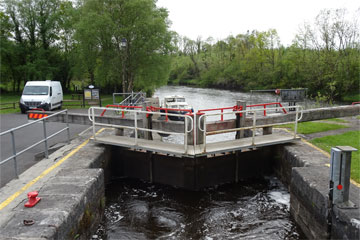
pixel 26 137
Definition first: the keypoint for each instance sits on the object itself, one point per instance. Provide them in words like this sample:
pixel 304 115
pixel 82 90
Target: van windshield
pixel 36 90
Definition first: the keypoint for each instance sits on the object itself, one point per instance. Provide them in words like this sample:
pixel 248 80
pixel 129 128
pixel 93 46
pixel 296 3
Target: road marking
pixel 44 173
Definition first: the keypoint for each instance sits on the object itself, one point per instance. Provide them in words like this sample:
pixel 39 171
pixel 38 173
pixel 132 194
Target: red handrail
pixel 234 108
pixel 354 103
pixel 152 109
pixel 267 104
pixel 119 106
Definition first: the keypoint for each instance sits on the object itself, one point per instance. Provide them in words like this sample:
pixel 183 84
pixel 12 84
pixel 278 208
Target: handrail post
pixel 135 126
pixel 14 152
pixel 45 140
pixel 67 126
pixel 185 134
pixel 264 110
pixel 254 128
pixel 204 134
pixel 93 122
pixel 296 121
pixel 240 118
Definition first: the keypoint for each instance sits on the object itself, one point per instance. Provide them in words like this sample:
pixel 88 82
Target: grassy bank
pixel 314 127
pixel 352 139
pixel 355 97
pixel 11 98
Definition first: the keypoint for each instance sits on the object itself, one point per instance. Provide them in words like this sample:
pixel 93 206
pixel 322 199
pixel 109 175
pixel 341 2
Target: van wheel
pixel 60 106
pixel 23 111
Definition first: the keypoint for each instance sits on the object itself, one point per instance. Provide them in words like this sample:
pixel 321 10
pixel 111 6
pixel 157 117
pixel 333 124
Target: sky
pixel 221 18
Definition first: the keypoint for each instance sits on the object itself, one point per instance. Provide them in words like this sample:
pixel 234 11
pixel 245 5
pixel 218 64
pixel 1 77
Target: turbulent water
pixel 256 209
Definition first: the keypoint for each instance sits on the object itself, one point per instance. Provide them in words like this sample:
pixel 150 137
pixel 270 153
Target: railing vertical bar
pixel 14 152
pixel 254 128
pixel 67 126
pixel 136 130
pixel 296 122
pixel 45 140
pixel 204 133
pixel 195 126
pixel 93 122
pixel 185 134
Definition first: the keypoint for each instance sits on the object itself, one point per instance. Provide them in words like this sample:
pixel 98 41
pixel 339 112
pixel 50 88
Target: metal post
pixel 67 126
pixel 204 134
pixel 240 120
pixel 195 130
pixel 14 152
pixel 93 121
pixel 114 99
pixel 340 165
pixel 45 140
pixel 135 125
pixel 296 122
pixel 199 124
pixel 254 128
pixel 185 132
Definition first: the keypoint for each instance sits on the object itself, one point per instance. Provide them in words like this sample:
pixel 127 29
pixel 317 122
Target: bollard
pixel 33 199
pixel 340 176
pixel 147 121
pixel 240 120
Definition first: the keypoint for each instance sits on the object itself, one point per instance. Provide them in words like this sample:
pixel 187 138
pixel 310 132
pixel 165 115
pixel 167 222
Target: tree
pixel 105 25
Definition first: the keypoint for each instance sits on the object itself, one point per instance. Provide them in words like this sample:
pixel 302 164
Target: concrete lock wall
pixel 303 169
pixel 190 173
pixel 72 201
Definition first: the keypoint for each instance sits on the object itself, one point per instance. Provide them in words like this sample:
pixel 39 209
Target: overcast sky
pixel 221 18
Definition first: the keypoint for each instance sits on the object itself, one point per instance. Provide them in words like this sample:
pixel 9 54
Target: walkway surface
pixel 25 138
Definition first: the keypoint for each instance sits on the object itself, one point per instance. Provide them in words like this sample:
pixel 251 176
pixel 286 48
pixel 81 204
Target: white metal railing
pixel 130 99
pixel 45 140
pixel 188 123
pixel 202 119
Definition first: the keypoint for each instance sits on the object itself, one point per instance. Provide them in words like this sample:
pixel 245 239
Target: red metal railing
pixel 355 103
pixel 239 108
pixel 120 106
pixel 234 108
pixel 153 109
pixel 267 104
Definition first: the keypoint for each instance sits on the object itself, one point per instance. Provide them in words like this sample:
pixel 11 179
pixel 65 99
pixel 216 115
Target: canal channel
pixel 251 209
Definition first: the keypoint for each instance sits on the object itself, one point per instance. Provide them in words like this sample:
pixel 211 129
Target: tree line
pixel 116 45
pixel 324 57
pixel 126 45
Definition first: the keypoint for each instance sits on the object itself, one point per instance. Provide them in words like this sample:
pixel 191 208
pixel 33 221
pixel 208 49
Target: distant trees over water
pixel 324 57
pixel 126 45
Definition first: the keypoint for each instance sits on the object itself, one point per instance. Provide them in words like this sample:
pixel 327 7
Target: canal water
pixel 252 209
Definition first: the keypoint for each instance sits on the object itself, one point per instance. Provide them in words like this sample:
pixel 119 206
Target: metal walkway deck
pixel 211 148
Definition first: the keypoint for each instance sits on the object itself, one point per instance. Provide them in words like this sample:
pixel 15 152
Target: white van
pixel 41 94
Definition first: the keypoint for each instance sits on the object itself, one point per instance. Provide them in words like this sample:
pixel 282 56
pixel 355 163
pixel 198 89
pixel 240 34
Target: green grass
pixel 10 98
pixel 358 117
pixel 336 120
pixel 313 127
pixel 352 139
pixel 352 97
